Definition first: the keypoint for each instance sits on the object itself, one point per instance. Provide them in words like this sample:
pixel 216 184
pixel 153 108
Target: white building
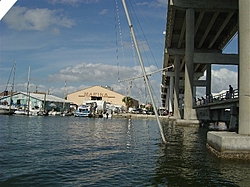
pixel 36 102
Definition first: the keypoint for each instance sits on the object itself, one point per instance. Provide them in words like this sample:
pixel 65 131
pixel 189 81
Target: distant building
pixel 36 101
pixel 98 93
pixel 5 93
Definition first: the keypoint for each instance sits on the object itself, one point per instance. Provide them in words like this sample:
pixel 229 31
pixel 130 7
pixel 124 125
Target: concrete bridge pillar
pixel 189 112
pixel 171 94
pixel 194 93
pixel 176 87
pixel 167 98
pixel 208 79
pixel 244 67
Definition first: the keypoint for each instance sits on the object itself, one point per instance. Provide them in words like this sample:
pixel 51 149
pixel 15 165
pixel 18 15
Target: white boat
pixel 6 109
pixel 54 113
pixel 95 107
pixel 30 112
pixel 82 111
pixel 21 112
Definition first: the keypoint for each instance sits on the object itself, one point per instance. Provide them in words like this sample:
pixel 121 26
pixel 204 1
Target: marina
pixel 113 139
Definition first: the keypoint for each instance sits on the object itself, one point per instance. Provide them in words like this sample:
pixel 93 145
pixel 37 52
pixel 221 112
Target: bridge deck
pixel 219 101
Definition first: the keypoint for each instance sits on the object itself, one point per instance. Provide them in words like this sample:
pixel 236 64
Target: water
pixel 69 151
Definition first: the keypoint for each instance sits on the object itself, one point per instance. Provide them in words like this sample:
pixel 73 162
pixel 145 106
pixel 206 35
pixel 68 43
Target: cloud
pixel 72 2
pixel 89 72
pixel 55 31
pixel 22 87
pixel 156 4
pixel 143 45
pixel 39 19
pixel 103 12
pixel 103 74
pixel 220 80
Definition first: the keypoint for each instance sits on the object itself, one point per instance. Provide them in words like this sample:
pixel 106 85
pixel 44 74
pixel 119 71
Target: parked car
pixel 162 112
pixel 137 111
pixel 150 112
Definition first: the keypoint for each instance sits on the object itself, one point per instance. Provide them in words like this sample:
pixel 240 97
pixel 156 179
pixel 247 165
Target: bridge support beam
pixel 171 94
pixel 176 87
pixel 189 112
pixel 167 98
pixel 244 78
pixel 208 79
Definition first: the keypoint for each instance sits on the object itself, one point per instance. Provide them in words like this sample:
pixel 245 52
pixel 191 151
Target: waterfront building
pixel 99 93
pixel 35 102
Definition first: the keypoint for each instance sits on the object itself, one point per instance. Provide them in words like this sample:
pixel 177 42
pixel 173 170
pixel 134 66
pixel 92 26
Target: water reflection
pixel 185 161
pixel 55 151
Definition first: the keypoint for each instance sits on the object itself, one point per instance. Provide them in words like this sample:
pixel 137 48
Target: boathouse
pixel 99 93
pixel 36 101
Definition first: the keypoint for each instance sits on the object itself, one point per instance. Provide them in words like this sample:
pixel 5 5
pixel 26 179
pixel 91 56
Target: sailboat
pixel 63 111
pixel 5 106
pixel 7 109
pixel 25 111
pixel 143 71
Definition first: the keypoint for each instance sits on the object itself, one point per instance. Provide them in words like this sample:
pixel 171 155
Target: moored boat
pixel 82 111
pixel 6 109
pixel 21 112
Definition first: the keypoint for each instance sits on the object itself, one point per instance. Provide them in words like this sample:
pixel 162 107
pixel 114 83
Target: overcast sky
pixel 87 43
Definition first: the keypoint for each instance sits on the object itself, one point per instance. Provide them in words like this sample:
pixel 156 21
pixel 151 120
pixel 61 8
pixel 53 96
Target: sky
pixel 83 43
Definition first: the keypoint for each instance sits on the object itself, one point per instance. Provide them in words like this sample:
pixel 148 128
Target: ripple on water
pixel 68 151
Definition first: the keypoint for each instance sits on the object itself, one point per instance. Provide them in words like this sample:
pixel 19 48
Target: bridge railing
pixel 217 97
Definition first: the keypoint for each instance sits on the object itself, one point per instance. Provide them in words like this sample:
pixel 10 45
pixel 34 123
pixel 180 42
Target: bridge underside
pixel 215 23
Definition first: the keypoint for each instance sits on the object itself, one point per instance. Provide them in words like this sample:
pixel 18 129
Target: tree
pixel 128 101
pixel 149 106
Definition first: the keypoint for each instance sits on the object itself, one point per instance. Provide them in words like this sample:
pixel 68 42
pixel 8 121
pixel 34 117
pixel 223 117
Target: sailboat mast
pixel 64 94
pixel 28 93
pixel 143 70
pixel 13 78
pixel 28 83
pixel 12 86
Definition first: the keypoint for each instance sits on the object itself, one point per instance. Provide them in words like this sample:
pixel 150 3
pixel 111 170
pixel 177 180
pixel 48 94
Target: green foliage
pixel 128 101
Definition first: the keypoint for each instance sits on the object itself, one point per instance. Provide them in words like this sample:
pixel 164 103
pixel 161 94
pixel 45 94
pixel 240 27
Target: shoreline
pixel 176 121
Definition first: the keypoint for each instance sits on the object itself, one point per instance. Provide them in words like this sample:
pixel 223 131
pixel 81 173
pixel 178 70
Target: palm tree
pixel 128 101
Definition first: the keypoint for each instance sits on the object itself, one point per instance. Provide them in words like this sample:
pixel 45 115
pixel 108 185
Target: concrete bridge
pixel 197 31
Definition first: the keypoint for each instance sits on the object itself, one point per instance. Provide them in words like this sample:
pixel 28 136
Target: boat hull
pixel 81 114
pixel 21 112
pixel 6 110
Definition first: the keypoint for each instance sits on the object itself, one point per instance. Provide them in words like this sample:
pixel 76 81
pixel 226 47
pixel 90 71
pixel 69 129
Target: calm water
pixel 69 151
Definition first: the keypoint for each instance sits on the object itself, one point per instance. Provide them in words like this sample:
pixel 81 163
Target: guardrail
pixel 217 98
